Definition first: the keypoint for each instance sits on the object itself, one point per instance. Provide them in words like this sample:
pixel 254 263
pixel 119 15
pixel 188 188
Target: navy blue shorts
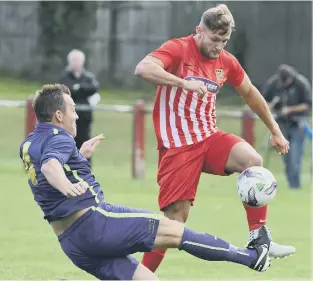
pixel 102 240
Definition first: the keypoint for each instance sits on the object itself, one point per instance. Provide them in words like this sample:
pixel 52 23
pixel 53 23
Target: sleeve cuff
pixel 52 156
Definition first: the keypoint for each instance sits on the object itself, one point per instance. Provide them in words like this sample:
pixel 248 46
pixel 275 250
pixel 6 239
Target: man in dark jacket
pixel 289 96
pixel 83 86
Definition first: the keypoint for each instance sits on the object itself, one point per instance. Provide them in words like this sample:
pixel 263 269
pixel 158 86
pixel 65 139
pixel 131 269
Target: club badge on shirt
pixel 219 73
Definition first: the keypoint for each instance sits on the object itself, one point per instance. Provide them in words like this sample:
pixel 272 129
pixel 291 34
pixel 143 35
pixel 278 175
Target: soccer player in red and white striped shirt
pixel 189 72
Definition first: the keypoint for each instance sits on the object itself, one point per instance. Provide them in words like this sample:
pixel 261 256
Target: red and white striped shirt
pixel 182 118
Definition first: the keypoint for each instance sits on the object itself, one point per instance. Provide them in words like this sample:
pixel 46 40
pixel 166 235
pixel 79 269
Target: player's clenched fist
pixel 195 86
pixel 76 189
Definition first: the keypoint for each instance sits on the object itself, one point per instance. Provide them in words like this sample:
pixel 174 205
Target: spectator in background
pixel 83 86
pixel 289 96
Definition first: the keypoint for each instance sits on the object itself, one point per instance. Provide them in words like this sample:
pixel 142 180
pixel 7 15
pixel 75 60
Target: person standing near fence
pixel 190 72
pixel 289 95
pixel 83 85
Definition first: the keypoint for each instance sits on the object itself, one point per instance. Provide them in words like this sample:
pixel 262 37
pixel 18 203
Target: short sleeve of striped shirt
pixel 236 73
pixel 170 53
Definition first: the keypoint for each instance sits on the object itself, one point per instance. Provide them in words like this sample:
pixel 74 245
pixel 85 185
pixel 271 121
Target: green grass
pixel 30 250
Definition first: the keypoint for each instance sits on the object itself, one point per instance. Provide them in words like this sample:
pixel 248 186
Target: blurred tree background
pixel 115 35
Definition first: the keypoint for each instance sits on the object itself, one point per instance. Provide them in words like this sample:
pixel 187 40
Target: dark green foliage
pixel 63 27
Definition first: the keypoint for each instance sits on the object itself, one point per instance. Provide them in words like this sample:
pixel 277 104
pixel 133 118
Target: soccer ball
pixel 256 186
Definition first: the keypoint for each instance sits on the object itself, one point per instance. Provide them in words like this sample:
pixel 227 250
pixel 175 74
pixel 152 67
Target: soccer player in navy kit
pixel 99 237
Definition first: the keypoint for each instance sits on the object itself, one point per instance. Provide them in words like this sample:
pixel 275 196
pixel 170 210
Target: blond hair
pixel 218 19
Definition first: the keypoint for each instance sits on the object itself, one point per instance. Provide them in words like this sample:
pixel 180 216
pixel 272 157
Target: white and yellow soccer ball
pixel 256 186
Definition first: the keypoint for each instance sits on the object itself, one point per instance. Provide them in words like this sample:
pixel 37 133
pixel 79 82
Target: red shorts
pixel 180 168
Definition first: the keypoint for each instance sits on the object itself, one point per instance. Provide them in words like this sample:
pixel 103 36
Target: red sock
pixel 256 216
pixel 153 259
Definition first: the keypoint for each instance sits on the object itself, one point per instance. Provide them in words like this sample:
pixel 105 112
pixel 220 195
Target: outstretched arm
pixel 257 103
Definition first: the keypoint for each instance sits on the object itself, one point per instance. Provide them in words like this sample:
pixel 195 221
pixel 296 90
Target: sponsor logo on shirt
pixel 211 86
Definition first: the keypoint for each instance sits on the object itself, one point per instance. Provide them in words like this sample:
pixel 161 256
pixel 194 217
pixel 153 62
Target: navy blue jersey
pixel 52 142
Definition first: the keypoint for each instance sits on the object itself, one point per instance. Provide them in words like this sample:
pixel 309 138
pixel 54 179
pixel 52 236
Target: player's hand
pixel 195 86
pixel 76 189
pixel 279 142
pixel 89 147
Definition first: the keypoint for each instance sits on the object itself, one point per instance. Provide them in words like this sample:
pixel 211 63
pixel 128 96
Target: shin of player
pixel 173 234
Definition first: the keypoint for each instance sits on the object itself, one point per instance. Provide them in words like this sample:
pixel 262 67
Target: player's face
pixel 211 43
pixel 70 116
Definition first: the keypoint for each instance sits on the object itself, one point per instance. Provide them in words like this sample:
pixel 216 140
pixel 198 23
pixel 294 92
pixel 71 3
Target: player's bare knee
pixel 169 234
pixel 243 156
pixel 254 159
pixel 178 211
